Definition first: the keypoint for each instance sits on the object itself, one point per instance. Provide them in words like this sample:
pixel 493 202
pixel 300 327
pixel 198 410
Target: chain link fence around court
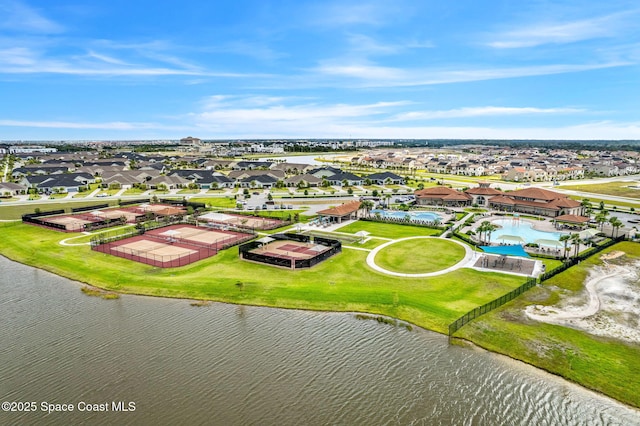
pixel 187 251
pixel 189 254
pixel 532 282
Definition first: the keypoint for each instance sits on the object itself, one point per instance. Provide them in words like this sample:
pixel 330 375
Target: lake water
pixel 306 159
pixel 234 365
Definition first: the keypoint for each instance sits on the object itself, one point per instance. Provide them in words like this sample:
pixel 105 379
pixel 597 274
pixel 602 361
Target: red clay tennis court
pixel 172 246
pixel 242 221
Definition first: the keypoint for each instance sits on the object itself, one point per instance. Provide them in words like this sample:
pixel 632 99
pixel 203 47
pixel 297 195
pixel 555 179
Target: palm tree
pixel 482 229
pixel 490 228
pixel 565 239
pixel 486 228
pixel 586 204
pixel 615 223
pixel 367 205
pixel 575 241
pixel 601 218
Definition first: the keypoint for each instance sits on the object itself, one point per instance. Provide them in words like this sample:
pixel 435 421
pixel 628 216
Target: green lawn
pixel 58 196
pixel 605 365
pixel 341 283
pixel 134 191
pixel 344 283
pixel 215 201
pixel 620 189
pixel 608 203
pixel 420 256
pixel 16 211
pixel 389 230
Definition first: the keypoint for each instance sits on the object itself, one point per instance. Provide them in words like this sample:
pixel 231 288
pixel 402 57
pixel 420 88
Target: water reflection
pixel 225 364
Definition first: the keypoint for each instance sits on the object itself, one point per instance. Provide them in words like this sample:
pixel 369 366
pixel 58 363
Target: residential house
pixel 10 188
pixel 303 181
pixel 170 182
pixel 257 181
pixel 385 178
pixel 67 182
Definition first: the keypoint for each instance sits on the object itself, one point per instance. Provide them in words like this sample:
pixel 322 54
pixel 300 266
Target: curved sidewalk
pixel 468 259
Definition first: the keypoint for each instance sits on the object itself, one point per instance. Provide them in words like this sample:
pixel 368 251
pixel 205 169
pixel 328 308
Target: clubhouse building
pixel 535 201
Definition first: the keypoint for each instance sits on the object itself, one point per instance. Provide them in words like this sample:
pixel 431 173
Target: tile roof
pixel 342 210
pixel 572 218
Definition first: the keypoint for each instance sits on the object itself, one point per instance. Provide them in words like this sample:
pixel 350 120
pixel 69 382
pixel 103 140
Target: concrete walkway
pixel 467 261
pixel 456 225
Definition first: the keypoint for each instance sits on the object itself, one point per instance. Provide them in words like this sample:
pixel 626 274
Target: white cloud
pixel 115 125
pixel 369 75
pixel 27 60
pixel 251 110
pixel 561 32
pixel 361 44
pixel 588 131
pixel 480 112
pixel 17 16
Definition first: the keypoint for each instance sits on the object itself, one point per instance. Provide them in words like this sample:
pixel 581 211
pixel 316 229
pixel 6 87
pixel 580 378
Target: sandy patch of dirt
pixel 609 305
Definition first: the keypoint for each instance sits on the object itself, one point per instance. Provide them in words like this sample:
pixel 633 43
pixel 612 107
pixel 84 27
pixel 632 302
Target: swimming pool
pixel 520 228
pixel 414 216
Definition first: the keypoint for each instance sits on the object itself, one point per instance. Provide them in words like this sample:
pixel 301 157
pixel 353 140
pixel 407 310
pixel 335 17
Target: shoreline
pixel 345 285
pixel 470 343
pixel 460 341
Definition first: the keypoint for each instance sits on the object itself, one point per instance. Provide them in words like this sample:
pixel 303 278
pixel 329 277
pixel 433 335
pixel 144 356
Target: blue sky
pixel 116 69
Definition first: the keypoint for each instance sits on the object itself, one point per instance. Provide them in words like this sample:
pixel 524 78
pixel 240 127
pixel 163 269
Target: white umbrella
pixel 511 238
pixel 265 240
pixel 548 243
pixel 362 234
pixel 170 233
pixel 588 233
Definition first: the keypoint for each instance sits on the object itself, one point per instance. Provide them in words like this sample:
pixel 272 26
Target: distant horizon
pixel 277 140
pixel 375 69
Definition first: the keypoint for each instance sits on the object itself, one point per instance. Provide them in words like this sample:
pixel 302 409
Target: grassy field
pixel 417 256
pixel 389 230
pixel 345 283
pixel 602 364
pixel 608 203
pixel 134 191
pixel 225 202
pixel 342 283
pixel 8 212
pixel 619 189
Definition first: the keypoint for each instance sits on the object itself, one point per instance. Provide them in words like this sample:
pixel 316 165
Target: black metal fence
pixel 130 202
pixel 584 255
pixel 40 214
pixel 182 202
pixel 246 253
pixel 106 223
pixel 488 307
pixel 335 246
pixel 88 208
pixel 34 218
